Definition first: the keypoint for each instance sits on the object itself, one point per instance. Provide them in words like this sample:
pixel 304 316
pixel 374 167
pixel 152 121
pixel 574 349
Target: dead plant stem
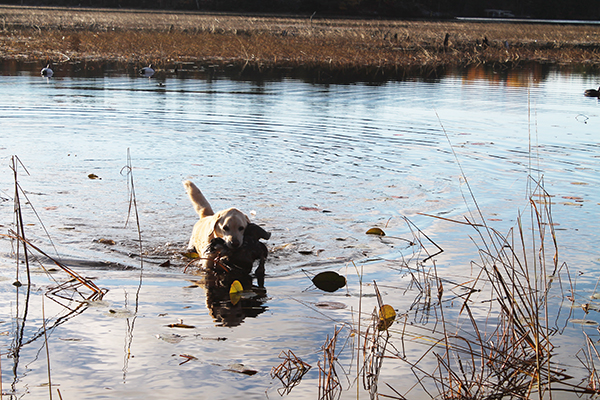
pixel 47 350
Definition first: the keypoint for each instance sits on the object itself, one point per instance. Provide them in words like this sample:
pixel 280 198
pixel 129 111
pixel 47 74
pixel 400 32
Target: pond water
pixel 315 164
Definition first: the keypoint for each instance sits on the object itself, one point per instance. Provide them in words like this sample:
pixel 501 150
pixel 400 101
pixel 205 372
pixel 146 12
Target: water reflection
pixel 229 308
pixel 523 75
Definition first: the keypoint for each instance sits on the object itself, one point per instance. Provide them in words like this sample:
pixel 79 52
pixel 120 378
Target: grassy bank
pixel 59 35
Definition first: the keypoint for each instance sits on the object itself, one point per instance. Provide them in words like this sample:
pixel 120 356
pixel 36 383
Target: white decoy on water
pixel 147 72
pixel 47 71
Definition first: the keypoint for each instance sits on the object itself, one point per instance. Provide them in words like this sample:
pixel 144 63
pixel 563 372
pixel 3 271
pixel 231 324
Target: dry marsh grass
pixel 168 38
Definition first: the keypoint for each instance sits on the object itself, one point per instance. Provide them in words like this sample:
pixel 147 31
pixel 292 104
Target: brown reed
pixel 330 387
pixel 290 371
pixel 387 46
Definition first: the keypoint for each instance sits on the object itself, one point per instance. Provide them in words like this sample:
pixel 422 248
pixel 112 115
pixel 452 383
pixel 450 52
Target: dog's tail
pixel 201 205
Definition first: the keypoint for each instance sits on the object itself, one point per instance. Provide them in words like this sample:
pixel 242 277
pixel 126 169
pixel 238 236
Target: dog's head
pixel 230 225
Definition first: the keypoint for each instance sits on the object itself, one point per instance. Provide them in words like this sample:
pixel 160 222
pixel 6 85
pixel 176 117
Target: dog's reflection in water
pixel 230 309
pixel 225 265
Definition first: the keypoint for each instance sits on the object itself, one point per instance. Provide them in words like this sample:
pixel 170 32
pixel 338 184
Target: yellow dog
pixel 228 224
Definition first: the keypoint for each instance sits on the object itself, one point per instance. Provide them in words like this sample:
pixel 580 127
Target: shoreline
pixel 338 46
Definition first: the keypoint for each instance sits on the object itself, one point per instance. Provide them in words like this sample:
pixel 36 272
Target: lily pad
pixel 329 281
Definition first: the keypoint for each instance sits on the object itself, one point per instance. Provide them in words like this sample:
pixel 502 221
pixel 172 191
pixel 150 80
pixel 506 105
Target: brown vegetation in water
pixel 270 41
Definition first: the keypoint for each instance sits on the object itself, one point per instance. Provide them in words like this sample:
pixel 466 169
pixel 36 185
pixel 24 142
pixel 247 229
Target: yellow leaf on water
pixel 376 231
pixel 235 292
pixel 387 315
pixel 236 287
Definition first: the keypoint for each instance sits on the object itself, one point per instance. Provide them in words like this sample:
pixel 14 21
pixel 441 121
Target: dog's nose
pixel 236 243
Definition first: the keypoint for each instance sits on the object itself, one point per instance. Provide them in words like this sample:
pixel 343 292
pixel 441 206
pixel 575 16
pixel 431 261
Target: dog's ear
pixel 214 227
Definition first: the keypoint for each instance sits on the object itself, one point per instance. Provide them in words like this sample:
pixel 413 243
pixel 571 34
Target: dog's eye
pixel 226 228
pixel 241 228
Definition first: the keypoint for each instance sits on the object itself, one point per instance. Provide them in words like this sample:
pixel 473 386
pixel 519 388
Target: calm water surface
pixel 315 164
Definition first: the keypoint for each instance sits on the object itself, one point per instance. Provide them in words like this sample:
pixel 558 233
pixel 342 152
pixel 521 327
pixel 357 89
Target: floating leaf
pixel 236 287
pixel 107 241
pixel 93 176
pixel 235 292
pixel 376 231
pixel 329 281
pixel 387 315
